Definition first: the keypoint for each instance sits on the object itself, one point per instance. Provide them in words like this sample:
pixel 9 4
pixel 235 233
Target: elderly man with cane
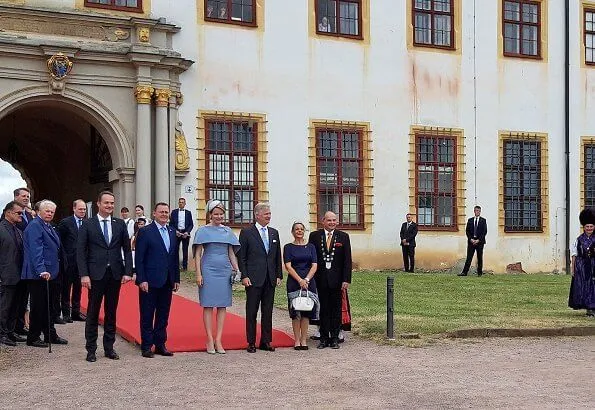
pixel 41 264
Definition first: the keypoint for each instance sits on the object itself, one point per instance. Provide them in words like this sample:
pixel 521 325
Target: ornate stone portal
pixel 88 58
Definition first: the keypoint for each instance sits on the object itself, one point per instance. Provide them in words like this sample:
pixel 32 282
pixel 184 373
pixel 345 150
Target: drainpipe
pixel 567 128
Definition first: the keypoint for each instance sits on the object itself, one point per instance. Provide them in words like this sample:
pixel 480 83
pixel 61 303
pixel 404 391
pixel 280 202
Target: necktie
pixel 165 237
pixel 79 223
pixel 24 215
pixel 329 237
pixel 475 228
pixel 265 238
pixel 105 232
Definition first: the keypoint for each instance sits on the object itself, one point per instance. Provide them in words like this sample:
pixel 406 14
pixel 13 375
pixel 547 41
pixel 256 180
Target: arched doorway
pixel 60 149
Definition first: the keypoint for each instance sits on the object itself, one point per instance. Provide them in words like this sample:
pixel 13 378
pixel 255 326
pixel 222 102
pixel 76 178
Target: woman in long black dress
pixel 300 262
pixel 582 287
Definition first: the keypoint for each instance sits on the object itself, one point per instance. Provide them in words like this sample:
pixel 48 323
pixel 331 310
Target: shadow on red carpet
pixel 185 331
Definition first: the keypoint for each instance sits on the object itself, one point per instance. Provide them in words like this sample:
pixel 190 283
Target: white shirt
pixel 109 225
pixel 129 226
pixel 181 219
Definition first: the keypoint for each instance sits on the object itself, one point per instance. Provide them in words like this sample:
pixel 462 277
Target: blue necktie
pixel 105 232
pixel 265 238
pixel 79 222
pixel 165 236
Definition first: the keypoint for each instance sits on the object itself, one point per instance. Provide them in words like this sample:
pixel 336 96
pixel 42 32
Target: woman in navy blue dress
pixel 301 264
pixel 582 286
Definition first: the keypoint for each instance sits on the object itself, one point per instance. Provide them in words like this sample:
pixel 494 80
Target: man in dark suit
pixel 259 260
pixel 101 243
pixel 476 231
pixel 68 229
pixel 23 197
pixel 41 264
pixel 11 255
pixel 157 275
pixel 333 249
pixel 408 234
pixel 181 221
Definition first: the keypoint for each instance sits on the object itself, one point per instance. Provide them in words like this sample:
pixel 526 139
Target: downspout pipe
pixel 567 129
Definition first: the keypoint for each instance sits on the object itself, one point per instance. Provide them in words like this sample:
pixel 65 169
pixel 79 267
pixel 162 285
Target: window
pixel 339 169
pixel 589 175
pixel 436 177
pixel 522 185
pixel 339 17
pixel 589 36
pixel 433 23
pixel 231 166
pixel 521 28
pixel 124 5
pixel 231 11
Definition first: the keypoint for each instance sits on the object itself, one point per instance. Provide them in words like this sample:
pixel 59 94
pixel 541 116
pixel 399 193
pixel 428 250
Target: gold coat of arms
pixel 59 66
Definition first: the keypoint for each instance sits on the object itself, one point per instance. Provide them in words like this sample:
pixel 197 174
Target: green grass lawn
pixel 433 303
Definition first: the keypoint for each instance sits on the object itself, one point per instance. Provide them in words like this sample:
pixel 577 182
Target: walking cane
pixel 47 289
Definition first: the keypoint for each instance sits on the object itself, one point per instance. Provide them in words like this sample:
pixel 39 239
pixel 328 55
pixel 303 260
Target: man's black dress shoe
pixel 251 349
pixel 37 343
pixel 334 344
pixel 59 321
pixel 5 340
pixel 148 354
pixel 111 354
pixel 22 332
pixel 17 338
pixel 162 351
pixel 321 345
pixel 462 274
pixel 57 340
pixel 79 317
pixel 91 357
pixel 67 319
pixel 266 347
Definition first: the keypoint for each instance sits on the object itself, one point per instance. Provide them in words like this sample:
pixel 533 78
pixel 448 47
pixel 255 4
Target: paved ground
pixel 480 373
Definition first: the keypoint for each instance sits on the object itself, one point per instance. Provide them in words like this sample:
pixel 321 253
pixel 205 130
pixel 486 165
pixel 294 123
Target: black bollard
pixel 390 295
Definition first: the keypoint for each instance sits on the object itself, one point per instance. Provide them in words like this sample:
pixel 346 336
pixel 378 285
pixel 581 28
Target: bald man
pixel 68 229
pixel 333 249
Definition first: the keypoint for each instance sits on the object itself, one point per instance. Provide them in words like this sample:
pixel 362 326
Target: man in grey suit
pixel 11 256
pixel 259 260
pixel 101 242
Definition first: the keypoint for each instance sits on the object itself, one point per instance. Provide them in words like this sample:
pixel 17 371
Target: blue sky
pixel 9 180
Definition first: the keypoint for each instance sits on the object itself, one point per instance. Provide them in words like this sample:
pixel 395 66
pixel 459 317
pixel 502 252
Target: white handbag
pixel 303 303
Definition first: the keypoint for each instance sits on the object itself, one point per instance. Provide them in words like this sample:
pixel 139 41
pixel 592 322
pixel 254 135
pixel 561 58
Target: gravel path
pixel 488 373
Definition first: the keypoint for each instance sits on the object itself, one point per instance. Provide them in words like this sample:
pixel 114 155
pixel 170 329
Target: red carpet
pixel 185 331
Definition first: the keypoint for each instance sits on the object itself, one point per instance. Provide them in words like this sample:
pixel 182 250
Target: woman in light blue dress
pixel 214 250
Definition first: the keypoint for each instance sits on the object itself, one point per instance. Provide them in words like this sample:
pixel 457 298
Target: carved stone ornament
pixel 144 35
pixel 182 157
pixel 115 34
pixel 143 94
pixel 59 66
pixel 162 96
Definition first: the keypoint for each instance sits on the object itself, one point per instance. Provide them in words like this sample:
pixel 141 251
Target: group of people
pixel 46 266
pixel 476 231
pixel 320 266
pixel 582 251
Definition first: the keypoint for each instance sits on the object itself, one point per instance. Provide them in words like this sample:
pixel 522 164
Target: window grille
pixel 231 11
pixel 339 17
pixel 589 36
pixel 124 5
pixel 589 175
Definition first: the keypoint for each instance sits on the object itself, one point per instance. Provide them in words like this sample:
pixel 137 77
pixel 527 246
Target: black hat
pixel 587 216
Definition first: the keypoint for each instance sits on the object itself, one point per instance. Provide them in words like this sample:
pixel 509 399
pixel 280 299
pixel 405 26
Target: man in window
pixel 407 235
pixel 476 230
